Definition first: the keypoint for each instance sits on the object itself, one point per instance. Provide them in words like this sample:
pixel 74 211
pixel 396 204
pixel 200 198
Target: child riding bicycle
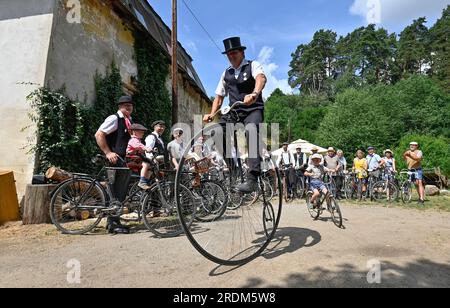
pixel 316 172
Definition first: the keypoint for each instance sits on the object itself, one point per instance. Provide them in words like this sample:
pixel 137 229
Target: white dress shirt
pixel 287 158
pixel 257 69
pixel 111 123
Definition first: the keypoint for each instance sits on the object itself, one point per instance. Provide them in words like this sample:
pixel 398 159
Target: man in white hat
pixel 414 158
pixel 315 150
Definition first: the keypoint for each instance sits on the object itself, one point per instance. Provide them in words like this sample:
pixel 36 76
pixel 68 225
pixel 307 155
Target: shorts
pixel 317 184
pixel 419 175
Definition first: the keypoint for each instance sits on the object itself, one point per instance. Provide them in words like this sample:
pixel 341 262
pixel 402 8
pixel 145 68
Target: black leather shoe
pixel 118 230
pixel 248 187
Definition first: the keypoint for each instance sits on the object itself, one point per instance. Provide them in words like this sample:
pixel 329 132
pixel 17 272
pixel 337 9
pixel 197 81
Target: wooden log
pixel 57 175
pixel 36 208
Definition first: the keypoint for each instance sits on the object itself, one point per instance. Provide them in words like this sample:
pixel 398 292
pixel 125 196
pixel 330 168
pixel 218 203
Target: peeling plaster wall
pixel 25 30
pixel 79 50
pixel 40 46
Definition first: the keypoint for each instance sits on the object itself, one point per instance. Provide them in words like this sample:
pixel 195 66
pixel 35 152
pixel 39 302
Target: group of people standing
pixel 335 165
pixel 295 165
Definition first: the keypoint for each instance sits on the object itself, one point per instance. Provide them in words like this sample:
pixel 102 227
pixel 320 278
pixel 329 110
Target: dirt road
pixel 413 248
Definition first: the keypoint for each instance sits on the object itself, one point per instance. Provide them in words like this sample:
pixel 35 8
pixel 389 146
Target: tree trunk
pixel 36 208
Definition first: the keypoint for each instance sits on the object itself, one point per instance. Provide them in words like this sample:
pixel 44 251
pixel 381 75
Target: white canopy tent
pixel 305 145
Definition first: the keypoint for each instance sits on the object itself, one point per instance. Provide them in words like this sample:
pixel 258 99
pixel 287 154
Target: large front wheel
pixel 241 233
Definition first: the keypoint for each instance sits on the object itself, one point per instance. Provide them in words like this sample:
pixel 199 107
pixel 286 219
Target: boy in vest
pixel 137 148
pixel 155 142
pixel 243 81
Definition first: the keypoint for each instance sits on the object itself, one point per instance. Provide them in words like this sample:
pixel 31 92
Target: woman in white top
pixel 389 161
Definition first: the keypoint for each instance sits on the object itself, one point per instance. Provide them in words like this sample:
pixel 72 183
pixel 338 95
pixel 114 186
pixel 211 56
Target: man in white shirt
pixel 286 158
pixel 244 82
pixel 286 162
pixel 176 147
pixel 112 138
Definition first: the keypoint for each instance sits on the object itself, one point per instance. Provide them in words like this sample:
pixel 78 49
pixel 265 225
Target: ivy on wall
pixel 152 98
pixel 60 129
pixel 66 128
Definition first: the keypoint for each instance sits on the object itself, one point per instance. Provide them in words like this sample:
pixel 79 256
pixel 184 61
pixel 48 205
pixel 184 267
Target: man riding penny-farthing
pixel 245 229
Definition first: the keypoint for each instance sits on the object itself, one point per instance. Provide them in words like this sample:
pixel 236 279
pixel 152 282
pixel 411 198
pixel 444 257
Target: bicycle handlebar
pixel 226 110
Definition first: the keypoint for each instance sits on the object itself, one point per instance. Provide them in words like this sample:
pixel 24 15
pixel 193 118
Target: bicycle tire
pixel 313 211
pixel 218 241
pixel 56 210
pixel 208 212
pixel 167 227
pixel 335 210
pixel 407 192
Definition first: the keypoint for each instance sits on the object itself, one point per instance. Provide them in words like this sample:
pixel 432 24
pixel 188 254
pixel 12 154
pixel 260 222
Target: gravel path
pixel 413 248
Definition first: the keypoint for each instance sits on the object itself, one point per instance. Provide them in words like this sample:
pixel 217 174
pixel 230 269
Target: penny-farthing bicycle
pixel 245 229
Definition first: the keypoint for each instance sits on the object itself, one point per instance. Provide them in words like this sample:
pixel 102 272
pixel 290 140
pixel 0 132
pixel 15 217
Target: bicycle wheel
pixel 407 192
pixel 239 235
pixel 335 210
pixel 300 187
pixel 268 219
pixel 134 203
pixel 160 212
pixel 360 190
pixel 268 191
pixel 313 211
pixel 286 195
pixel 235 199
pixel 77 206
pixel 385 191
pixel 348 188
pixel 213 201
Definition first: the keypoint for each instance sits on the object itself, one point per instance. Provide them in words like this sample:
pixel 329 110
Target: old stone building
pixel 64 43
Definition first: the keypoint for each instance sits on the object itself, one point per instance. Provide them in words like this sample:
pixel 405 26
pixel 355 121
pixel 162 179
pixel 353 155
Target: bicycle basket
pixel 202 166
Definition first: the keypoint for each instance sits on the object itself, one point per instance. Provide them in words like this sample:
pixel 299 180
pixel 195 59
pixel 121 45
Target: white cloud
pixel 394 12
pixel 265 58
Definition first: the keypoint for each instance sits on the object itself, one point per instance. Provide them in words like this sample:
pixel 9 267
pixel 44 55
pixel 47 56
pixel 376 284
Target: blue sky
pixel 273 29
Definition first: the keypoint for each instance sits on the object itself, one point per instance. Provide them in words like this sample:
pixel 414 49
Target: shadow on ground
pixel 422 273
pixel 286 240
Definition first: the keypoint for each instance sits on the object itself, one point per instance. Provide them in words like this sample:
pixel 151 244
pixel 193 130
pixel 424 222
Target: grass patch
pixel 440 203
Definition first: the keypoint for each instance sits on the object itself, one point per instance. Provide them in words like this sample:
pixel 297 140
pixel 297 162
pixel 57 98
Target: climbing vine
pixel 66 128
pixel 152 99
pixel 60 129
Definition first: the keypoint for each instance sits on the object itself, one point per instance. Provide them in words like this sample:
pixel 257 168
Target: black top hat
pixel 125 100
pixel 233 43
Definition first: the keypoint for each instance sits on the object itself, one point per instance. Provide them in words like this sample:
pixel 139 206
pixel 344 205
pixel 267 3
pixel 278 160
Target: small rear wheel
pixel 313 210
